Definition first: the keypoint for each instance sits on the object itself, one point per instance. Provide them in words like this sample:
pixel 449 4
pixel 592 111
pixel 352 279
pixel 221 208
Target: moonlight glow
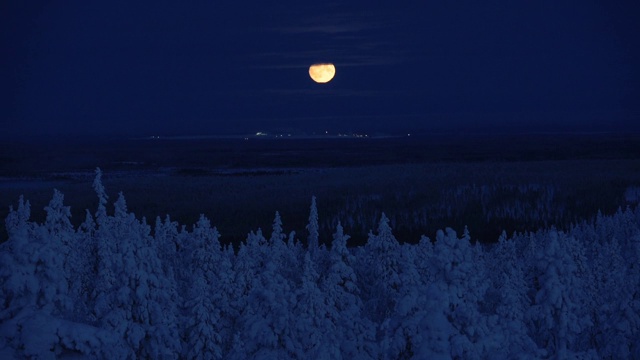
pixel 322 73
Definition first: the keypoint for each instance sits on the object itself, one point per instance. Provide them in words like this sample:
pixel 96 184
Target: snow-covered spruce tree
pixel 135 303
pixel 312 227
pixel 166 240
pixel 17 271
pixel 617 286
pixel 247 265
pixel 291 253
pixel 176 268
pixel 83 263
pixel 461 276
pixel 378 273
pixel 278 236
pixel 577 250
pixel 340 286
pixel 390 282
pixel 612 320
pixel 101 213
pixel 422 260
pixel 58 235
pixel 507 297
pixel 105 247
pixel 402 330
pixel 556 308
pixel 263 324
pixel 209 325
pixel 34 319
pixel 314 333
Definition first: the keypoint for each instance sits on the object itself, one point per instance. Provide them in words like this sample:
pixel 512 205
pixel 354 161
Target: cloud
pixel 338 56
pixel 327 92
pixel 341 23
pixel 345 39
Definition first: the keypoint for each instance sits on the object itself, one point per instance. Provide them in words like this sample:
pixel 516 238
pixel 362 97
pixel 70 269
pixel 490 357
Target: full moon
pixel 322 73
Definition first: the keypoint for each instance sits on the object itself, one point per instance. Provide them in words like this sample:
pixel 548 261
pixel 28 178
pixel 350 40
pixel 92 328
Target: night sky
pixel 138 68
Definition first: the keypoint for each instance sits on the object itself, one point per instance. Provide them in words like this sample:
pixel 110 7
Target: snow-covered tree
pixel 209 304
pixel 507 297
pixel 312 227
pixel 264 321
pixel 314 332
pixel 101 213
pixel 378 276
pixel 340 288
pixel 555 312
pixel 134 300
pixel 109 289
pixel 461 275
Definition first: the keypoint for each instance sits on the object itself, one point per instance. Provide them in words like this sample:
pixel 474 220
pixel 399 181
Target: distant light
pixel 408 134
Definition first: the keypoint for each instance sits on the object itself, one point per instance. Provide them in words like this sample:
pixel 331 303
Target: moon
pixel 322 73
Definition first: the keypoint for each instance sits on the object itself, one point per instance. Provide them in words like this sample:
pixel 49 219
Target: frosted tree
pixel 287 263
pixel 101 213
pixel 202 338
pixel 59 236
pixel 247 265
pixel 555 312
pixel 203 341
pixel 175 245
pixel 18 220
pixel 422 260
pixel 378 275
pixel 401 329
pixel 264 320
pixel 461 276
pixel 34 287
pixel 17 270
pixel 106 249
pixel 277 234
pixel 432 340
pixel 83 262
pixel 315 333
pixel 612 318
pixel 211 315
pixel 390 282
pixel 340 288
pixel 312 227
pixel 58 221
pixel 507 297
pixel 136 304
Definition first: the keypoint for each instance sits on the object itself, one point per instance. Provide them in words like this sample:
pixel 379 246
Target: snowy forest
pixel 118 287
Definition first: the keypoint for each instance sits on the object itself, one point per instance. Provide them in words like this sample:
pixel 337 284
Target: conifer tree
pixel 101 213
pixel 339 286
pixel 556 308
pixel 312 227
pixel 379 276
pixel 208 301
pixel 17 271
pixel 314 332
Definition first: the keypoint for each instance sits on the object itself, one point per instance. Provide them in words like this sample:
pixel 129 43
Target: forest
pixel 118 287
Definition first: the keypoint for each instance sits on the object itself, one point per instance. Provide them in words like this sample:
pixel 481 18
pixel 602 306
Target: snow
pixel 112 289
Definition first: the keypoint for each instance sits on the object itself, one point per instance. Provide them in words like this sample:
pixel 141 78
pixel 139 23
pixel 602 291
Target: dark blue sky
pixel 202 67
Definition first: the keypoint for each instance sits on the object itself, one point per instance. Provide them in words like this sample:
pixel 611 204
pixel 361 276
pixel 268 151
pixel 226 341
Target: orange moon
pixel 322 73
